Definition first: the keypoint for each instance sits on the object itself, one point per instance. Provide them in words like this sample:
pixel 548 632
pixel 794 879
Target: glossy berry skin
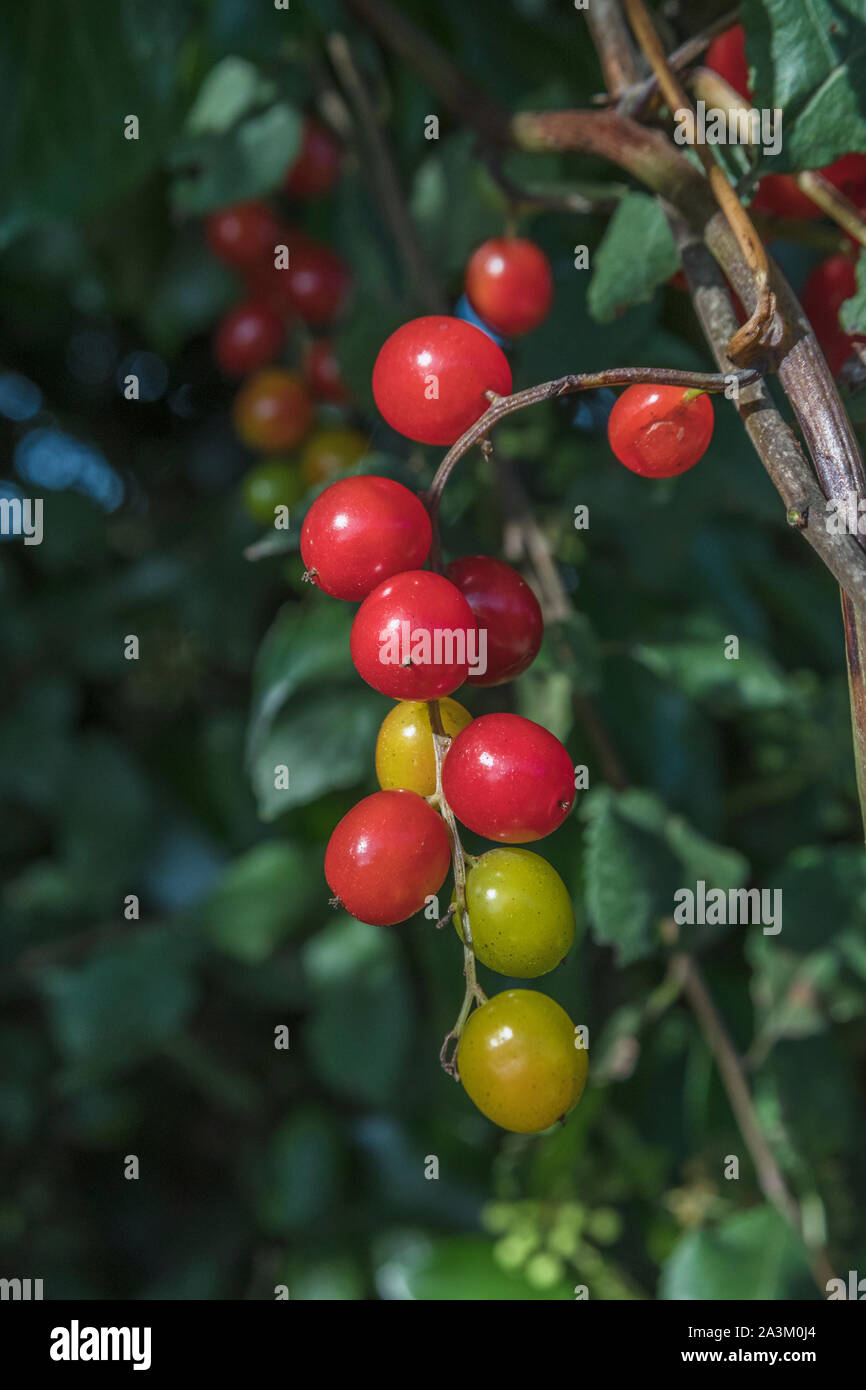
pixel 243 235
pixel 330 452
pixel 404 748
pixel 518 1061
pixel 249 337
pixel 520 913
pixel 322 373
pixel 726 55
pixel 656 432
pixel 831 282
pixel 508 779
pixel 316 283
pixel 506 609
pixel 414 636
pixel 463 310
pixel 272 410
pixel 360 531
pixel 431 375
pixel 386 856
pixel 317 166
pixel 509 283
pixel 274 483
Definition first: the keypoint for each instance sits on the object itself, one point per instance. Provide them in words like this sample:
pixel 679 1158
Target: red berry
pixel 316 283
pixel 726 55
pixel 414 637
pixel 243 235
pixel 317 166
pixel 508 779
pixel 362 530
pixel 431 375
pixel 831 282
pixel 509 284
pixel 506 609
pixel 387 856
pixel 249 337
pixel 781 195
pixel 848 173
pixel 656 431
pixel 322 372
pixel 272 410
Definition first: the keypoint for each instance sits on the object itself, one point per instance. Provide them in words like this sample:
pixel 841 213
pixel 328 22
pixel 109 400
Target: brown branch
pixel 566 386
pixel 761 329
pixel 636 99
pixel 620 63
pixel 773 439
pixel 733 1076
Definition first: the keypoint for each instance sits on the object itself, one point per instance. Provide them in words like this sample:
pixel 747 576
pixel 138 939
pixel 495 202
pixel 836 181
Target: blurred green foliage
pixel 155 1036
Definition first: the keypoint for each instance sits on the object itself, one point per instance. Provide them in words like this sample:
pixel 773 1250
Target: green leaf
pixel 450 227
pixel 70 77
pixel 359 1034
pixel 620 278
pixel 228 92
pixel 307 644
pixel 629 880
pixel 570 646
pixel 324 740
pixel 751 1255
pixel 297 1179
pixel 123 1005
pixel 790 992
pixel 852 315
pixel 698 667
pixel 810 61
pixel 262 898
pixel 215 169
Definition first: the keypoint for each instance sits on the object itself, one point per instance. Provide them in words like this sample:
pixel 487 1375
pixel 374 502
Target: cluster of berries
pixel 287 294
pixel 417 636
pixel 834 279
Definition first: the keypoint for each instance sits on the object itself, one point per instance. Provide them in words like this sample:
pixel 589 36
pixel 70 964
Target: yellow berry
pixel 519 1062
pixel 405 759
pixel 520 913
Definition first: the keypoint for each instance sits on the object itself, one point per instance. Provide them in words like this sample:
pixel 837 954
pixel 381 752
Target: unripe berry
pixel 518 1061
pixel 405 756
pixel 520 913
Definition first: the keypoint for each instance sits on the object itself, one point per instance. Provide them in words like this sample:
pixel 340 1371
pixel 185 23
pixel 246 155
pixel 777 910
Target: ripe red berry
pixel 431 375
pixel 272 410
pixel 322 372
pixel 243 235
pixel 831 282
pixel 249 337
pixel 414 637
pixel 658 432
pixel 509 283
pixel 387 856
pixel 317 165
pixel 726 55
pixel 508 779
pixel 316 283
pixel 362 530
pixel 505 609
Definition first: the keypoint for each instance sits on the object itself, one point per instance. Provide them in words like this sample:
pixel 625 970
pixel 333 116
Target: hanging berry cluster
pixel 417 637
